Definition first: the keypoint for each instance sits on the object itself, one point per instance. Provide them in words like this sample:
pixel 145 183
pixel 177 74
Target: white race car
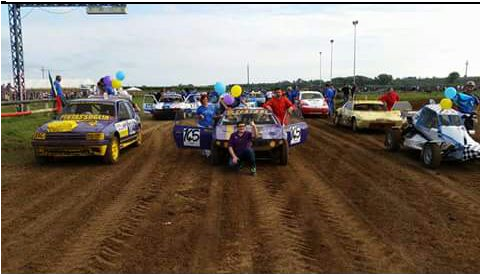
pixel 438 133
pixel 169 105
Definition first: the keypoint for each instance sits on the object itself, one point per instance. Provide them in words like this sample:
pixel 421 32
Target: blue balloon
pixel 450 92
pixel 219 88
pixel 120 75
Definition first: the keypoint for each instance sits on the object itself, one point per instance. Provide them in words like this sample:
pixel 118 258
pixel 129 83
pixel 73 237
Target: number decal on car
pixel 191 137
pixel 295 135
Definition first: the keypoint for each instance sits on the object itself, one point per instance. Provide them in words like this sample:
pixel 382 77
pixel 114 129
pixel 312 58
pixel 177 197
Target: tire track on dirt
pixel 58 221
pixel 413 200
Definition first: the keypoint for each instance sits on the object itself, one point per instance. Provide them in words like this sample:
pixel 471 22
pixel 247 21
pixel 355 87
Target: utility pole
pixel 320 69
pixel 43 69
pixel 354 73
pixel 248 80
pixel 466 71
pixel 332 42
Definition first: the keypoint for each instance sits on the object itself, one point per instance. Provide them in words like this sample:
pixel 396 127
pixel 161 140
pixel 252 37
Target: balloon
pixel 228 99
pixel 446 103
pixel 116 83
pixel 120 75
pixel 450 92
pixel 236 91
pixel 219 88
pixel 107 81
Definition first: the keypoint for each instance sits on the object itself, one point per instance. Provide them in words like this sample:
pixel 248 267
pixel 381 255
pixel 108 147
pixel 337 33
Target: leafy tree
pixel 383 79
pixel 452 77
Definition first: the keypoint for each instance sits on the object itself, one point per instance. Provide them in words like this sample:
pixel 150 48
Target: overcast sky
pixel 201 44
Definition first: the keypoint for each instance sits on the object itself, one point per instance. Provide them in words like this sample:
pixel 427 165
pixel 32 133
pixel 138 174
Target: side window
pixel 124 111
pixel 131 109
pixel 429 119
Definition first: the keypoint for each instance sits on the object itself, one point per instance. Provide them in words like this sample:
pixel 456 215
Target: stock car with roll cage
pixel 273 139
pixel 93 126
pixel 170 105
pixel 439 134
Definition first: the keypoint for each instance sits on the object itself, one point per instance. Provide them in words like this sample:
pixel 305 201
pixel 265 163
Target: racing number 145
pixel 191 137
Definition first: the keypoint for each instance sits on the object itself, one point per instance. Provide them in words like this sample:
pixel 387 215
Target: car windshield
pixel 369 107
pixel 260 119
pixel 450 120
pixel 90 108
pixel 311 96
pixel 193 98
pixel 171 99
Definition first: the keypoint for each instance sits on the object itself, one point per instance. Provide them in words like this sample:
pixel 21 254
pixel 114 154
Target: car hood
pixel 458 135
pixel 373 115
pixel 75 126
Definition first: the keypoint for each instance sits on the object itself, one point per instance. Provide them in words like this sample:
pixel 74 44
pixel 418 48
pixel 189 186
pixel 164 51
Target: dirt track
pixel 342 205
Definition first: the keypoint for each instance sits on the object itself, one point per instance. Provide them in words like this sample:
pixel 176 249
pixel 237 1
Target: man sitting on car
pixel 240 147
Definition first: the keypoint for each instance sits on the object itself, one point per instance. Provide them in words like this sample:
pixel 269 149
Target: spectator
pixel 353 90
pixel 280 106
pixel 330 95
pixel 389 98
pixel 240 147
pixel 345 92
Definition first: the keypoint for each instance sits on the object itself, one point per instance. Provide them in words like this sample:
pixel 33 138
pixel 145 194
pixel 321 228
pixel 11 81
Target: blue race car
pixel 273 139
pixel 439 134
pixel 90 127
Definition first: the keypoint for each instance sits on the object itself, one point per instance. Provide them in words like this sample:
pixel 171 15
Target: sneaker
pixel 241 165
pixel 253 171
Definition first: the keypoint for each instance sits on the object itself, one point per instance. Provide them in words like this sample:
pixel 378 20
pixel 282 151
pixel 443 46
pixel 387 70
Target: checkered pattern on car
pixel 471 152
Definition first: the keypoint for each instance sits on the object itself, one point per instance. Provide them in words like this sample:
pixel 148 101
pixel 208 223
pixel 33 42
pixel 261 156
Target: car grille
pixel 66 136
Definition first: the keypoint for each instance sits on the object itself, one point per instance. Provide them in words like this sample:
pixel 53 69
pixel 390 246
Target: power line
pixel 52 12
pixel 28 13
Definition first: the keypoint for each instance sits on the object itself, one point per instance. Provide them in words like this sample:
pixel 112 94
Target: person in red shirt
pixel 389 98
pixel 280 106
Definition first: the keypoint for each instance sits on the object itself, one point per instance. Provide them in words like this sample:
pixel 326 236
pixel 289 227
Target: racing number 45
pixel 295 135
pixel 191 137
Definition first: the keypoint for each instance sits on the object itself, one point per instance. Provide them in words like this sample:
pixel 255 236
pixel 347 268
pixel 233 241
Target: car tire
pixel 354 126
pixel 215 155
pixel 284 153
pixel 113 151
pixel 431 155
pixel 392 140
pixel 140 138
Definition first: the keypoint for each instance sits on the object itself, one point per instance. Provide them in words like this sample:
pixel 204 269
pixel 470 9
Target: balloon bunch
pixel 115 83
pixel 235 92
pixel 447 103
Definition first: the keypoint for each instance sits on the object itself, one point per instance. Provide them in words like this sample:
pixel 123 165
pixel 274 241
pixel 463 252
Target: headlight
pixel 39 135
pixel 272 143
pixel 95 136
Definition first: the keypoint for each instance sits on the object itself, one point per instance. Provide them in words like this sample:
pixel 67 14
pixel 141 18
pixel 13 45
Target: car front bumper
pixel 315 110
pixel 378 124
pixel 65 148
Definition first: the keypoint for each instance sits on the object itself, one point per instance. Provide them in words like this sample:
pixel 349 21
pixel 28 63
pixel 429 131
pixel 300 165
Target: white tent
pixel 134 89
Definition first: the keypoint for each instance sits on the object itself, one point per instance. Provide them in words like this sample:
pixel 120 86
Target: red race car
pixel 313 103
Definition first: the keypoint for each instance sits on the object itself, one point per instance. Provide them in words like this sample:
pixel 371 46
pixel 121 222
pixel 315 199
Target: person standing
pixel 389 98
pixel 330 95
pixel 280 106
pixel 60 97
pixel 353 90
pixel 205 115
pixel 240 147
pixel 345 92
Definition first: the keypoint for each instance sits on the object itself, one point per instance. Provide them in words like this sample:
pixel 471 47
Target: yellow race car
pixel 364 114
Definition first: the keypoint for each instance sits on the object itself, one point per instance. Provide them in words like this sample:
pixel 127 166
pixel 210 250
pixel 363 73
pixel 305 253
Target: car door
pixel 187 133
pixel 346 112
pixel 127 126
pixel 148 104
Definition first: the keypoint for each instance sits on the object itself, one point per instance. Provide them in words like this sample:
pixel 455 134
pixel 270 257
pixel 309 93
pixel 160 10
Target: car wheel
pixel 431 155
pixel 393 140
pixel 284 153
pixel 354 125
pixel 140 138
pixel 113 151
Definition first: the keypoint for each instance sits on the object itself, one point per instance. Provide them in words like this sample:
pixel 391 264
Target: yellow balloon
pixel 446 103
pixel 116 84
pixel 236 91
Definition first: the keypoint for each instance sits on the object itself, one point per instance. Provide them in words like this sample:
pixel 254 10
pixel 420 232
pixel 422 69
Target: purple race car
pixel 90 127
pixel 273 139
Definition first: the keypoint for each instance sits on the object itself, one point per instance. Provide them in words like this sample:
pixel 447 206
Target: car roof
pixel 438 110
pixel 365 101
pixel 99 99
pixel 317 92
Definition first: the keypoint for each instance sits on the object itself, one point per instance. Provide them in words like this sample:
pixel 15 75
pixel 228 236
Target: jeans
pixel 246 155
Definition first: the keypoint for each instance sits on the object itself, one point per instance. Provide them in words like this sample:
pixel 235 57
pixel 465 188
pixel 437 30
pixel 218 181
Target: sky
pixel 171 44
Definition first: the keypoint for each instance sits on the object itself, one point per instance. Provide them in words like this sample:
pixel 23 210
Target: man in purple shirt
pixel 240 146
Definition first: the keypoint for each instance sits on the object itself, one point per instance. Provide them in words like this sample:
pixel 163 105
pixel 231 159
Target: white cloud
pixel 203 44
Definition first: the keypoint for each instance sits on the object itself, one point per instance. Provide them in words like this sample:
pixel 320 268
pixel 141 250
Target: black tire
pixel 41 160
pixel 113 151
pixel 354 125
pixel 431 155
pixel 140 138
pixel 215 155
pixel 393 139
pixel 284 153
